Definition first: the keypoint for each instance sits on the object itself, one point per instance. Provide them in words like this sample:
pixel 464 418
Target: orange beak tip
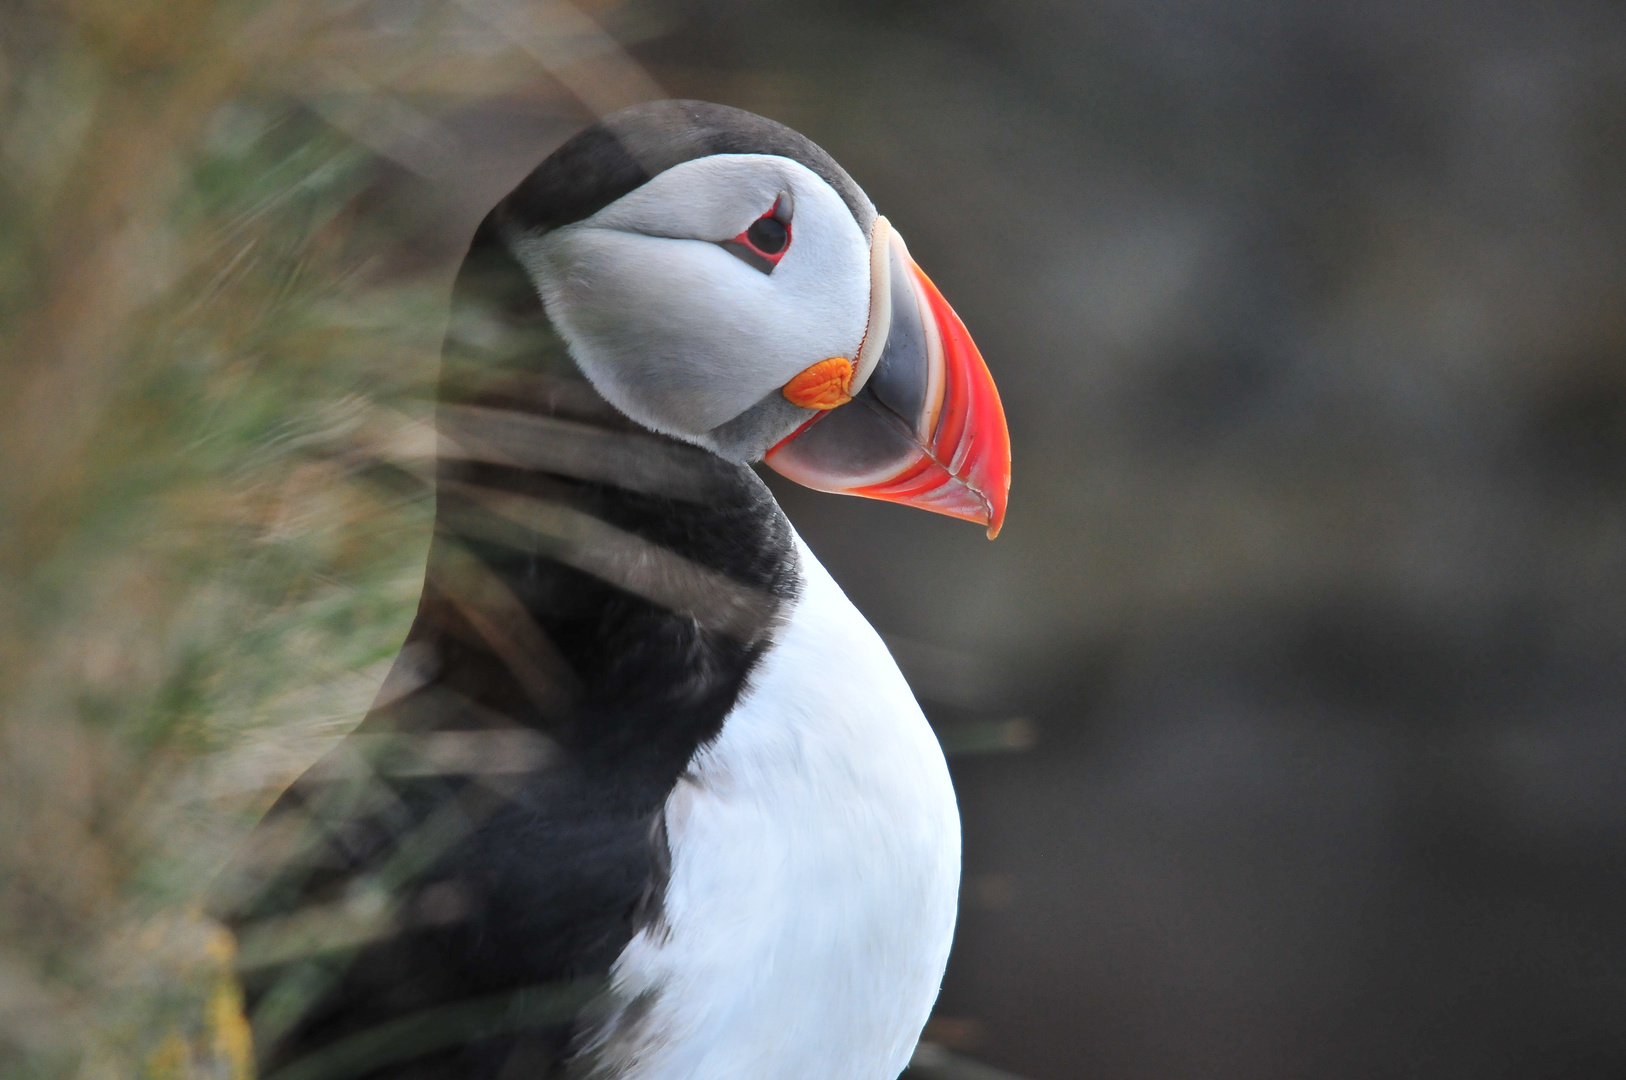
pixel 998 515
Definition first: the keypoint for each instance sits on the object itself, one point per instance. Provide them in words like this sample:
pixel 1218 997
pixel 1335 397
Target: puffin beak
pixel 915 418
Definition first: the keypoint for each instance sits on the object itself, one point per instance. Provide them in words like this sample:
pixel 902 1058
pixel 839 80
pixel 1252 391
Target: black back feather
pixel 443 895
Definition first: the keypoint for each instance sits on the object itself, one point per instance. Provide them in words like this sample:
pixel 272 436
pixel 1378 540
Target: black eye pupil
pixel 768 236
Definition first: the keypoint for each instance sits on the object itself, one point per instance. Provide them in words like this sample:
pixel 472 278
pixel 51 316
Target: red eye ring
pixel 764 242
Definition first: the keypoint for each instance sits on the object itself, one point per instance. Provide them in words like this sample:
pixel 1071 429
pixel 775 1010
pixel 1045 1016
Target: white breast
pixel 815 868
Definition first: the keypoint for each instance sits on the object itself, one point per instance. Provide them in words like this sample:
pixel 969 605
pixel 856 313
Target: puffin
pixel 643 796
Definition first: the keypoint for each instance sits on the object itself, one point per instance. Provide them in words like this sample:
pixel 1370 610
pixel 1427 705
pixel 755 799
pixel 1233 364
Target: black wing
pixel 443 895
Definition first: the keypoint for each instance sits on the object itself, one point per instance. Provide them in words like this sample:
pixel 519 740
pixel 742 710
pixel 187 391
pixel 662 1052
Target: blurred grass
pixel 214 427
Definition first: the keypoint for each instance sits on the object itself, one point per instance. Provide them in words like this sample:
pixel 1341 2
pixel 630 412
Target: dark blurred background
pixel 1287 710
pixel 1310 321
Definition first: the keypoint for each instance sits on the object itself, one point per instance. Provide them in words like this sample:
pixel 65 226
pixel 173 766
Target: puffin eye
pixel 768 236
pixel 763 244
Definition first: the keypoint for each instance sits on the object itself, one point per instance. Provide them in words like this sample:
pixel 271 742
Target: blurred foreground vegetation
pixel 214 427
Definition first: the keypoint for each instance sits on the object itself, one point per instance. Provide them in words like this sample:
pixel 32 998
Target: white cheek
pixel 683 336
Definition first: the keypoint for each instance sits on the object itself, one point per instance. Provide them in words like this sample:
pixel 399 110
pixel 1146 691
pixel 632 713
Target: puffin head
pixel 719 279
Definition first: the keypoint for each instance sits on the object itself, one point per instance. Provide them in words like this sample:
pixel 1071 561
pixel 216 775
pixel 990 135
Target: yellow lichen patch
pixel 172 1060
pixel 232 1041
